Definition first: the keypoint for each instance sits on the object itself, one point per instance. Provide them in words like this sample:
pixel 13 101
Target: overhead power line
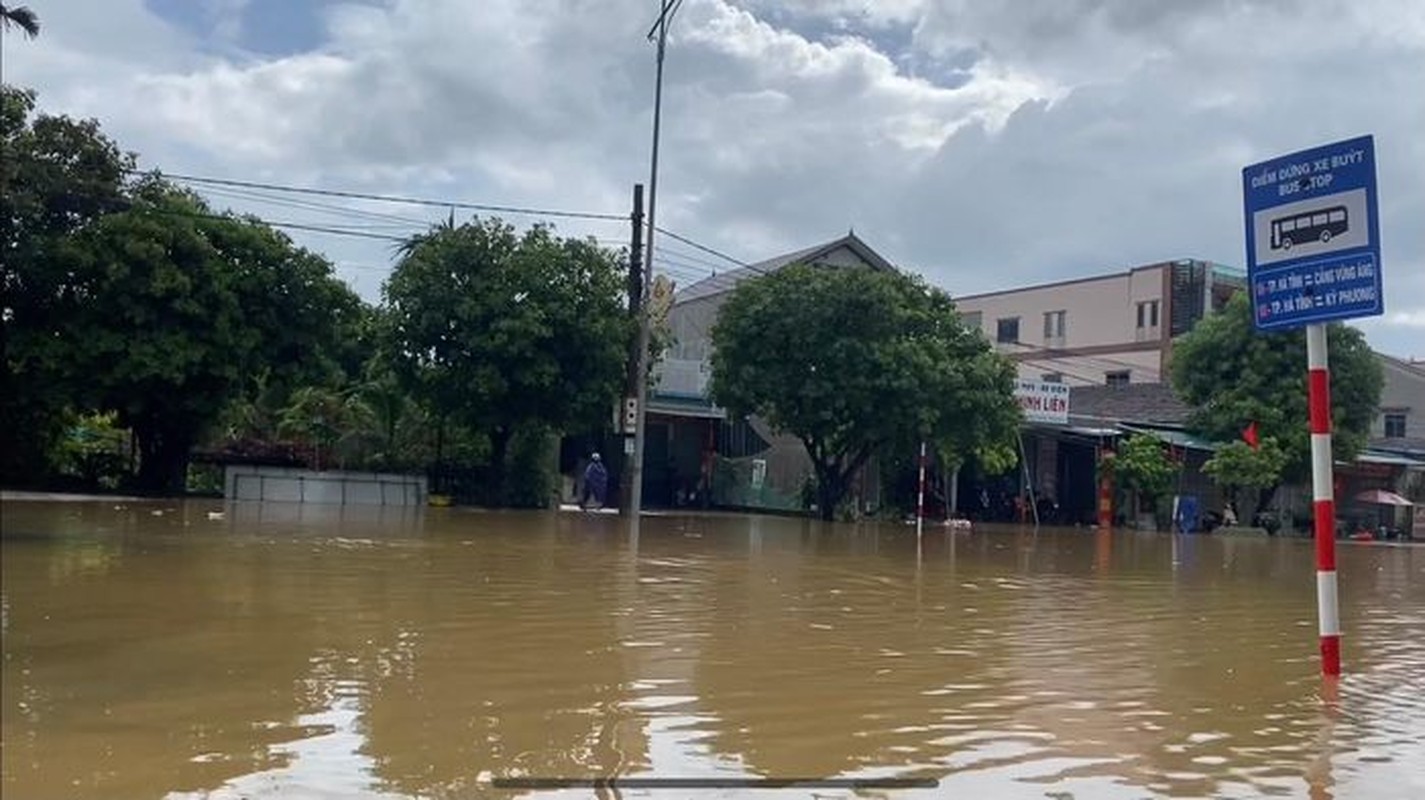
pixel 705 264
pixel 685 240
pixel 386 198
pixel 1041 353
pixel 247 189
pixel 665 258
pixel 301 226
pixel 1049 366
pixel 313 205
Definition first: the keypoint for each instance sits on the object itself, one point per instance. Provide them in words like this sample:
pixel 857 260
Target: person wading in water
pixel 596 484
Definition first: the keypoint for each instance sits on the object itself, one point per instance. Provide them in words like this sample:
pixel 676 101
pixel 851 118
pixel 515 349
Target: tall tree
pixel 157 336
pixel 852 360
pixel 57 176
pixel 20 17
pixel 1234 375
pixel 303 325
pixel 178 309
pixel 502 330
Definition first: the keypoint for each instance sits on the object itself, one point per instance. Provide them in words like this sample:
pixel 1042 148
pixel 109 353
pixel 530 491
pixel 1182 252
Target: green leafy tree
pixel 302 326
pixel 335 424
pixel 174 317
pixel 1236 466
pixel 157 333
pixel 1233 375
pixel 1142 466
pixel 57 176
pixel 255 415
pixel 855 360
pixel 501 330
pixel 94 450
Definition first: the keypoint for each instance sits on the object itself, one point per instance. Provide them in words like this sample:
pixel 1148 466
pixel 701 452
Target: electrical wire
pixel 254 191
pixel 384 198
pixel 301 226
pixel 687 265
pixel 710 251
pixel 1055 353
pixel 310 205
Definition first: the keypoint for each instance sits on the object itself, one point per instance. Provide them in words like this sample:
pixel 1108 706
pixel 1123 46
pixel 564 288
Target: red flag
pixel 1250 436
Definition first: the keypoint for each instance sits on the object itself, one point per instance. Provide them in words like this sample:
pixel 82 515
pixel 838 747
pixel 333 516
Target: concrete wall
pixel 351 521
pixel 289 485
pixel 691 324
pixel 1100 311
pixel 1142 366
pixel 1404 393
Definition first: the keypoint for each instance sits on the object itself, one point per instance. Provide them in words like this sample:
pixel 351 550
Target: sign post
pixel 1044 403
pixel 1313 257
pixel 920 495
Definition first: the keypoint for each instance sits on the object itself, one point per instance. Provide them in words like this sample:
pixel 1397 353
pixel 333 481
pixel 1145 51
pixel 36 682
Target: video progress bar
pixel 715 783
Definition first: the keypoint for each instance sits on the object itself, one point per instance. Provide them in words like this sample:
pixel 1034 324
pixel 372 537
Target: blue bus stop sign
pixel 1313 237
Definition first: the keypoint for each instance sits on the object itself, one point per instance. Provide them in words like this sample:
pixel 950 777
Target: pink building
pixel 1109 329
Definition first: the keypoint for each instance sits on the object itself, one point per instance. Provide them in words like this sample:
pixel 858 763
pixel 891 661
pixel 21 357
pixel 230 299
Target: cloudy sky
pixel 983 143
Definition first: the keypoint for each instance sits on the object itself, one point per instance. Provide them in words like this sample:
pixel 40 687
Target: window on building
pixel 1052 377
pixel 1007 330
pixel 1148 314
pixel 1054 325
pixel 973 319
pixel 1395 424
pixel 1118 378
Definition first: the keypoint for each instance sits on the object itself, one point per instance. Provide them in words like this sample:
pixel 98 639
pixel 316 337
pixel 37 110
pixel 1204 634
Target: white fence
pixel 289 485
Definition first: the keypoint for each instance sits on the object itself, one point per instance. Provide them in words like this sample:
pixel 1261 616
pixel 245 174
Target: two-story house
pixel 692 450
pixel 1401 422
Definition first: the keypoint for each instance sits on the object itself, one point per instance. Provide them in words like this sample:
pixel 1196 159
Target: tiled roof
pixel 1416 368
pixel 1145 403
pixel 1411 446
pixel 726 281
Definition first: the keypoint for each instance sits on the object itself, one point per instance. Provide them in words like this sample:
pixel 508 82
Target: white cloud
pixel 1408 319
pixel 983 143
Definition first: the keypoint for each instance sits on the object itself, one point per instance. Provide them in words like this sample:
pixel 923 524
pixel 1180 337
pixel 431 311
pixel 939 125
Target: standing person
pixel 596 483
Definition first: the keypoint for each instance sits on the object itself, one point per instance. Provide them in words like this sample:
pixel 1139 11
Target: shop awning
pixel 1074 431
pixel 1381 497
pixel 1395 460
pixel 1178 438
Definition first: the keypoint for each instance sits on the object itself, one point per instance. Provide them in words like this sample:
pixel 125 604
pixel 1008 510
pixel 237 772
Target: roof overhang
pixel 671 405
pixel 1176 438
pixel 1369 456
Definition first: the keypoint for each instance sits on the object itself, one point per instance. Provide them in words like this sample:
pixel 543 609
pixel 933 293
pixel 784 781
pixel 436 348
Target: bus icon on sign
pixel 1310 226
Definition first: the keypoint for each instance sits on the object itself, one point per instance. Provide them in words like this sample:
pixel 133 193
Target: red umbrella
pixel 1383 498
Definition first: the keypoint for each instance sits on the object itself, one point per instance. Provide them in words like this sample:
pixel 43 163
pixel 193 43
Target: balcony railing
pixel 682 377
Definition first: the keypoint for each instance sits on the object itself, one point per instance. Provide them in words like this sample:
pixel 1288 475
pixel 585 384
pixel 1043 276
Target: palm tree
pixel 21 16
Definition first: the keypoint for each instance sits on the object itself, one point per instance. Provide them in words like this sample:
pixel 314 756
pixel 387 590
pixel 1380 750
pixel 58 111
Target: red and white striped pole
pixel 920 495
pixel 1324 496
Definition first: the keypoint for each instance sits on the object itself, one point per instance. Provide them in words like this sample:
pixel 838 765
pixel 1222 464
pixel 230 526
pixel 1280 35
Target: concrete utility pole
pixel 635 363
pixel 635 489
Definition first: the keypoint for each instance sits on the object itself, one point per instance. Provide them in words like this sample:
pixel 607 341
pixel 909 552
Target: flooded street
pixel 159 650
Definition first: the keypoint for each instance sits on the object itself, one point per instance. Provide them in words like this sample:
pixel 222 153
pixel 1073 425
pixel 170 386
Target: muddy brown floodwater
pixel 159 650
